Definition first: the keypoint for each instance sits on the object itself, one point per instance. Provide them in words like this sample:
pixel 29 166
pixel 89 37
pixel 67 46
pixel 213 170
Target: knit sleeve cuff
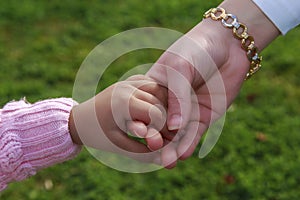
pixel 33 137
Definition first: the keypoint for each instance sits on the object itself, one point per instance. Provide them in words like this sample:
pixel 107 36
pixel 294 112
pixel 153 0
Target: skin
pixel 188 73
pixel 126 104
pixel 226 53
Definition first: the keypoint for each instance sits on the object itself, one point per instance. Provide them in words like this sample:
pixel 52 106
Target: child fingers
pixel 121 144
pixel 147 113
pixel 148 97
pixel 154 139
pixel 138 77
pixel 137 128
pixel 157 111
pixel 157 90
pixel 151 87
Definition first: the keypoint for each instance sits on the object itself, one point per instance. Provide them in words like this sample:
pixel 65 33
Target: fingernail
pixel 150 148
pixel 174 122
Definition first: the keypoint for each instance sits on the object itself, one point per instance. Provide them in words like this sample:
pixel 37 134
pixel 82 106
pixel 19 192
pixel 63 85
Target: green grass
pixel 42 46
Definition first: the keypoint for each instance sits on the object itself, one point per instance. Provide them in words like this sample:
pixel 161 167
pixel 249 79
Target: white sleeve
pixel 285 14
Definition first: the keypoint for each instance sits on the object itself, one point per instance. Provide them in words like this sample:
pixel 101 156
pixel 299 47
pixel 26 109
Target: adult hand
pixel 204 71
pixel 202 80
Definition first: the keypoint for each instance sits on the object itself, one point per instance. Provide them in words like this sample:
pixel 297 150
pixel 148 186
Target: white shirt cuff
pixel 285 14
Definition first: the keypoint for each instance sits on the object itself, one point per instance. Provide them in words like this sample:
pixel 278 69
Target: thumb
pixel 179 97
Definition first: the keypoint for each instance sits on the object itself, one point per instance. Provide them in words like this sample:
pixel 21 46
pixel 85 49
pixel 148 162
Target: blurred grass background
pixel 42 44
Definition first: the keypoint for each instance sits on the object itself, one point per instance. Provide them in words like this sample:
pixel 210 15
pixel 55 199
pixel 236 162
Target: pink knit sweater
pixel 34 136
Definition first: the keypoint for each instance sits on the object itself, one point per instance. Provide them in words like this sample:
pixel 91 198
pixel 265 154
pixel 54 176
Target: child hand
pixel 103 121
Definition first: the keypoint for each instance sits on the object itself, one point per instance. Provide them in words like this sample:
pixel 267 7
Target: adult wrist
pixel 210 36
pixel 240 32
pixel 259 25
pixel 247 22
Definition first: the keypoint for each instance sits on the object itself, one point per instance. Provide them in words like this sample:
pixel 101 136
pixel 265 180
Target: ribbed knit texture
pixel 33 137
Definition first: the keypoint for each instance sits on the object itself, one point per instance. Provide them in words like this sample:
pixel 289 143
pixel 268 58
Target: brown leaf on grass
pixel 229 179
pixel 261 137
pixel 251 98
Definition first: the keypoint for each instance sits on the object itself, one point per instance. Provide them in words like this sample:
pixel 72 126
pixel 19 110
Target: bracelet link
pixel 254 67
pixel 212 13
pixel 248 43
pixel 243 34
pixel 240 31
pixel 234 22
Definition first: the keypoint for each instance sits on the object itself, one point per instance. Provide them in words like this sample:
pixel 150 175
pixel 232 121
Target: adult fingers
pixel 179 100
pixel 199 121
pixel 190 139
pixel 175 71
pixel 169 155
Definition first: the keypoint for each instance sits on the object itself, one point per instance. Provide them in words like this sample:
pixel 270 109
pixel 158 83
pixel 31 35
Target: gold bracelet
pixel 239 32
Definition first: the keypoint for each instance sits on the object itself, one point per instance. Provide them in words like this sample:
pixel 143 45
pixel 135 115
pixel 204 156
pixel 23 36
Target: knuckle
pixel 136 77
